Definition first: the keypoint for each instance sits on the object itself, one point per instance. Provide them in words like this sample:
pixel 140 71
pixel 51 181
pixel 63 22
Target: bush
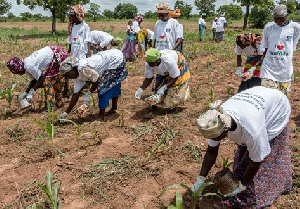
pixel 233 12
pixel 259 17
pixel 295 16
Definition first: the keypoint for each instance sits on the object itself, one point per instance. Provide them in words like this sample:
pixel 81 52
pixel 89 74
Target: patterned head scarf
pixel 212 123
pixel 152 55
pixel 280 11
pixel 248 39
pixel 139 19
pixel 163 8
pixel 79 12
pixel 16 65
pixel 68 64
pixel 175 13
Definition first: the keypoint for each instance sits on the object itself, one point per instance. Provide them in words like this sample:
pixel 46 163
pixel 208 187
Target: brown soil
pixel 110 166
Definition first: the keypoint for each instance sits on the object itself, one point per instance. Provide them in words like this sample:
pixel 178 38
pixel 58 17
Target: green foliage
pixel 94 11
pixel 8 94
pixel 291 5
pixel 125 11
pixel 78 127
pixel 260 16
pixel 178 202
pixel 4 6
pixel 205 6
pixel 52 195
pixel 151 15
pixel 233 12
pixel 295 16
pixel 226 164
pixel 185 9
pixel 108 14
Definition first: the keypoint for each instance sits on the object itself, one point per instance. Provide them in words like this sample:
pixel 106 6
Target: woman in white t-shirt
pixel 202 26
pixel 167 34
pixel 101 41
pixel 42 68
pixel 171 81
pixel 213 27
pixel 106 70
pixel 262 162
pixel 280 39
pixel 249 44
pixel 79 39
pixel 220 29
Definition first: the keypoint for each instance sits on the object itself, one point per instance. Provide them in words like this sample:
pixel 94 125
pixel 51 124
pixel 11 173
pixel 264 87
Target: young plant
pixel 78 127
pixel 121 119
pixel 8 94
pixel 178 202
pixel 197 195
pixel 159 144
pixel 52 195
pixel 226 164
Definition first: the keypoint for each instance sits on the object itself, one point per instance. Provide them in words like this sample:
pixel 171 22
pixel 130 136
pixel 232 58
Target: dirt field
pixel 111 164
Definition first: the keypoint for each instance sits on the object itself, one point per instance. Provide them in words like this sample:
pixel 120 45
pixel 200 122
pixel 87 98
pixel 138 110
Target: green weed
pixel 8 94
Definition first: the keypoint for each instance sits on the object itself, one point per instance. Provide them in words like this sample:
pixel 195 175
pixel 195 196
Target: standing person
pixel 262 162
pixel 280 39
pixel 42 67
pixel 144 40
pixel 128 48
pixel 214 26
pixel 79 39
pixel 101 41
pixel 221 23
pixel 250 44
pixel 202 26
pixel 171 81
pixel 167 33
pixel 106 70
pixel 136 24
pixel 175 16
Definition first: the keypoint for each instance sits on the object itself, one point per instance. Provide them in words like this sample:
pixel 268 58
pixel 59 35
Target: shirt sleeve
pixel 213 143
pixel 178 31
pixel 88 34
pixel 149 72
pixel 260 49
pixel 35 73
pixel 296 36
pixel 172 67
pixel 69 39
pixel 78 85
pixel 258 148
pixel 264 42
pixel 238 50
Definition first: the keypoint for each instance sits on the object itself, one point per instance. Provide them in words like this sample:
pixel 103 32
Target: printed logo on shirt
pixel 280 52
pixel 168 30
pixel 162 37
pixel 75 41
pixel 289 38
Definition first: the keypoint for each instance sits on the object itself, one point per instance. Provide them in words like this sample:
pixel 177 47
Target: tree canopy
pixel 94 11
pixel 125 11
pixel 233 12
pixel 185 9
pixel 205 6
pixel 4 7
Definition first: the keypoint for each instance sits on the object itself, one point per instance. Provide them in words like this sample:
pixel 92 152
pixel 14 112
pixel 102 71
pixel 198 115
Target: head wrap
pixel 68 64
pixel 248 39
pixel 212 123
pixel 163 8
pixel 216 18
pixel 79 12
pixel 175 13
pixel 152 55
pixel 16 65
pixel 203 14
pixel 139 19
pixel 280 11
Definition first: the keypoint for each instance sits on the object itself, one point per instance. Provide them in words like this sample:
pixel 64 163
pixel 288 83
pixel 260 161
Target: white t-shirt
pixel 108 59
pixel 166 34
pixel 168 65
pixel 79 39
pixel 280 42
pixel 220 24
pixel 250 50
pixel 261 114
pixel 101 37
pixel 202 21
pixel 214 25
pixel 37 62
pixel 135 26
pixel 180 30
pixel 150 34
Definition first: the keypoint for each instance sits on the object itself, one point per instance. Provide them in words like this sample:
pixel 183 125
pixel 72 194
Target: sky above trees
pixel 142 5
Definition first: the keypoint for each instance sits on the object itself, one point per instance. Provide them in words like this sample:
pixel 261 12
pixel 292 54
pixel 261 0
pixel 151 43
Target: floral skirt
pixel 284 87
pixel 56 88
pixel 273 178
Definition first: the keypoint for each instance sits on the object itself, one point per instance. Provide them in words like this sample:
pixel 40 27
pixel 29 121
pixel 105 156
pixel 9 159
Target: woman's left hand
pixel 239 189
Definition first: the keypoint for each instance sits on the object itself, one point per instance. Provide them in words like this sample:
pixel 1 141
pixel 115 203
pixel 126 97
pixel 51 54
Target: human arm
pixel 261 58
pixel 39 82
pixel 209 160
pixel 74 99
pixel 239 60
pixel 69 50
pixel 31 85
pixel 89 49
pixel 250 172
pixel 146 83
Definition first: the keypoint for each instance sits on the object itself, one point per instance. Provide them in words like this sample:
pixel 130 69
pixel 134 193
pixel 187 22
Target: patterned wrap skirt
pixel 284 87
pixel 180 90
pixel 129 48
pixel 110 85
pixel 273 178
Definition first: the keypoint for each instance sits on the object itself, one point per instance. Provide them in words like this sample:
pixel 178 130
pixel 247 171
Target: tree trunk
pixel 53 21
pixel 246 17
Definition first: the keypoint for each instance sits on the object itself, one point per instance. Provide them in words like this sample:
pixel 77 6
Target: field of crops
pixel 127 161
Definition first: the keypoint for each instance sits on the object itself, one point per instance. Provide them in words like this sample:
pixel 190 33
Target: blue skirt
pixel 111 93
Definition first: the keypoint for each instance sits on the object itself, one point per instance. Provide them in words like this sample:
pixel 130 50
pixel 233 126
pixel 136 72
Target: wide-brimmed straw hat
pixel 163 8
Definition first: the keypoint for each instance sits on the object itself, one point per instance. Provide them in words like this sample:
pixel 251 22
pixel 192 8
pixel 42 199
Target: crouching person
pixel 171 82
pixel 106 70
pixel 262 162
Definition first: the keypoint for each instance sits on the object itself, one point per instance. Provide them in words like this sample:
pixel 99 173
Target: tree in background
pixel 4 7
pixel 10 15
pixel 233 12
pixel 94 11
pixel 108 14
pixel 291 5
pixel 125 11
pixel 151 15
pixel 54 6
pixel 258 3
pixel 205 6
pixel 260 16
pixel 185 9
